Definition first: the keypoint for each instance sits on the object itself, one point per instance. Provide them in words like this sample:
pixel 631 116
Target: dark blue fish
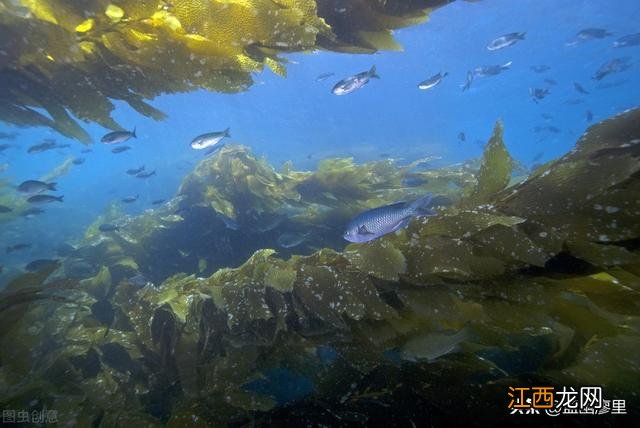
pixel 44 199
pixel 588 34
pixel 108 227
pixel 39 264
pixel 145 174
pixel 120 149
pixel 627 41
pixel 579 88
pixel 135 171
pixel 616 65
pixel 377 222
pixel 352 83
pixel 118 137
pixel 323 77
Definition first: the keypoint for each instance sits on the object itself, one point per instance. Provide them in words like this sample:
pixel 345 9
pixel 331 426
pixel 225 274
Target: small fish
pixel 324 76
pixel 376 222
pixel 461 137
pixel 616 65
pixel 538 93
pixel 117 137
pixel 35 186
pixel 352 83
pixel 210 139
pixel 5 209
pixel 549 81
pixel 108 227
pixel 579 88
pixel 4 147
pixel 8 135
pixel 39 264
pixel 548 128
pixel 540 68
pixel 291 240
pixel 44 199
pixel 63 146
pixel 505 41
pixel 588 34
pixel 627 41
pixel 491 70
pixel 432 81
pixel 130 199
pixel 589 115
pixel 158 201
pixel 86 151
pixel 17 247
pixel 139 281
pixel 146 174
pixel 42 147
pixel 468 82
pixel 120 149
pixel 78 161
pixel 135 171
pixel 31 212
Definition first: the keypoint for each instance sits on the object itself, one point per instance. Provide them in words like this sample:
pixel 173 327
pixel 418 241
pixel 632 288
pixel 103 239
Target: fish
pixel 139 281
pixel 548 128
pixel 615 65
pixel 64 249
pixel 461 137
pixel 135 171
pixel 39 264
pixel 538 93
pixel 468 82
pixel 42 147
pixel 4 147
pixel 5 209
pixel 589 115
pixel 291 240
pixel 549 81
pixel 86 151
pixel 8 135
pixel 324 76
pixel 120 149
pixel 158 201
pixel 108 227
pixel 130 199
pixel 36 186
pixel 377 222
pixel 44 199
pixel 588 34
pixel 31 212
pixel 78 161
pixel 579 88
pixel 17 247
pixel 414 181
pixel 540 68
pixel 117 137
pixel 209 139
pixel 627 41
pixel 505 41
pixel 491 70
pixel 352 83
pixel 63 146
pixel 146 174
pixel 432 81
pixel 431 346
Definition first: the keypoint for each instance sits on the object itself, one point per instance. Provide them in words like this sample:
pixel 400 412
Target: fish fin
pixel 52 186
pixel 445 74
pixel 521 35
pixel 133 133
pixel 226 132
pixel 60 198
pixel 362 230
pixel 401 224
pixel 420 206
pixel 372 73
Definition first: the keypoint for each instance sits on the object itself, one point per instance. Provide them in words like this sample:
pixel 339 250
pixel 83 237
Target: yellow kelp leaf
pixel 378 258
pixel 41 10
pixel 114 12
pixel 85 25
pixel 276 67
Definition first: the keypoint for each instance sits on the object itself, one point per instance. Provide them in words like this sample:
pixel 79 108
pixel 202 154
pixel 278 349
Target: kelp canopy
pixel 536 283
pixel 71 58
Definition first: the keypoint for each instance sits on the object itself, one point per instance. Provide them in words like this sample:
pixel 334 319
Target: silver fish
pixel 491 70
pixel 627 41
pixel 376 222
pixel 118 137
pixel 209 139
pixel 432 81
pixel 505 41
pixel 352 83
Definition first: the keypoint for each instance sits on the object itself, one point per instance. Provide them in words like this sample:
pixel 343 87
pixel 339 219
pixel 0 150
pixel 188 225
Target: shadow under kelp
pixel 433 323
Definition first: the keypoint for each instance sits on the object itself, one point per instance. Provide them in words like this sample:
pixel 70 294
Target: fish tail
pixel 420 206
pixel 226 132
pixel 372 73
pixel 521 35
pixel 133 133
pixel 445 74
pixel 59 198
pixel 52 186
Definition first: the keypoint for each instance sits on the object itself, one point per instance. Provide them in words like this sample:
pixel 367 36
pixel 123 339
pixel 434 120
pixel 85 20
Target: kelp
pixel 489 293
pixel 72 59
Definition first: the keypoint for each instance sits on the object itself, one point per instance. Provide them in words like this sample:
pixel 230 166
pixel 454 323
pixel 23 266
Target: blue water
pixel 299 119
